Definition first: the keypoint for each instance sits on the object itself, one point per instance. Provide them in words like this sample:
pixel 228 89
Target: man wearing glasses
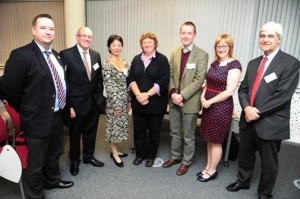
pixel 265 96
pixel 85 90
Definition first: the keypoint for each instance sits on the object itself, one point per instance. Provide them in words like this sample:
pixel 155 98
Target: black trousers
pixel 268 151
pixel 85 127
pixel 147 130
pixel 43 160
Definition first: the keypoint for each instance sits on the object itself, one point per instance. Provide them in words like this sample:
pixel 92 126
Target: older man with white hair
pixel 265 97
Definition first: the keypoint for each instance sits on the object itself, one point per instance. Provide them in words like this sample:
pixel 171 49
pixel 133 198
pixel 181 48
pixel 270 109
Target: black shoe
pixel 211 177
pixel 123 155
pixel 61 185
pixel 94 162
pixel 149 162
pixel 138 161
pixel 200 173
pixel 234 187
pixel 74 168
pixel 119 164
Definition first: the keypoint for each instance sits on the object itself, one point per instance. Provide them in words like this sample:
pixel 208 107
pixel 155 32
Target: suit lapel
pixel 42 62
pixel 79 60
pixel 270 69
pixel 93 61
pixel 178 60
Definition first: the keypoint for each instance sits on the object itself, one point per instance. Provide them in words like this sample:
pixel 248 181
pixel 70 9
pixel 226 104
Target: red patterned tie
pixel 61 94
pixel 257 80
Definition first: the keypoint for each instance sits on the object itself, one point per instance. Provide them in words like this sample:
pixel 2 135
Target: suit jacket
pixel 157 72
pixel 29 88
pixel 273 99
pixel 83 94
pixel 192 79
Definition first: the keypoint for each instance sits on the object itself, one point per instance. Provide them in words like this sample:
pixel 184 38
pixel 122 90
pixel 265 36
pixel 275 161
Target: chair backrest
pixel 15 117
pixel 3 131
pixel 10 164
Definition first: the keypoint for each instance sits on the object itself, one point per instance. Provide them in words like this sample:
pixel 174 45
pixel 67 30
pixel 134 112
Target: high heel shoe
pixel 119 164
pixel 211 177
pixel 200 173
pixel 123 155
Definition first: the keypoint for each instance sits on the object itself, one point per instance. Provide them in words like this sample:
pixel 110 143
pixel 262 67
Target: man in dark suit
pixel 85 89
pixel 265 119
pixel 34 84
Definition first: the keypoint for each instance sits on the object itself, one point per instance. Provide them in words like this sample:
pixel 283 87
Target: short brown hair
pixel 40 16
pixel 189 23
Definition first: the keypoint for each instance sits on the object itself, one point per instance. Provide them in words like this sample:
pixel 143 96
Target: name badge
pixel 191 66
pixel 96 66
pixel 270 77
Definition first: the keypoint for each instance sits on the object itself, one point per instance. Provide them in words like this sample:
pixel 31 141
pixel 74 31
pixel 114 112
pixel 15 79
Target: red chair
pixel 15 119
pixel 12 158
pixel 3 132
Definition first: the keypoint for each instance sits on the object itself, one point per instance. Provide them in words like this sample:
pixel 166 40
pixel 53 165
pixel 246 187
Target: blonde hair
pixel 226 39
pixel 149 35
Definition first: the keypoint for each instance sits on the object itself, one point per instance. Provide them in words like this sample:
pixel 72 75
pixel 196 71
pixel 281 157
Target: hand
pixel 251 113
pixel 142 97
pixel 72 113
pixel 177 99
pixel 129 106
pixel 205 103
pixel 118 113
pixel 145 102
pixel 180 104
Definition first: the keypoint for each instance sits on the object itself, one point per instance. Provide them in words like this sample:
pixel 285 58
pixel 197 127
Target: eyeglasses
pixel 86 36
pixel 222 47
pixel 263 36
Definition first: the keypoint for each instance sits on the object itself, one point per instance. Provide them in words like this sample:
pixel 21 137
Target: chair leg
pixel 22 189
pixel 228 144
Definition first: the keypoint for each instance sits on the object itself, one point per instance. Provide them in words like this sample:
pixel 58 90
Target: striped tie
pixel 60 89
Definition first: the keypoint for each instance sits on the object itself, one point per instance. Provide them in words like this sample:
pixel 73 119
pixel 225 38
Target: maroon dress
pixel 216 119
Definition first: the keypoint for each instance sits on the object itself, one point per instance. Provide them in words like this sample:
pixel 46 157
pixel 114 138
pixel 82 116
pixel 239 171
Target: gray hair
pixel 273 26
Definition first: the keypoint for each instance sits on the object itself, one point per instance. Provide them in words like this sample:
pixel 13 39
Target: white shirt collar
pixel 42 48
pixel 272 55
pixel 188 49
pixel 81 50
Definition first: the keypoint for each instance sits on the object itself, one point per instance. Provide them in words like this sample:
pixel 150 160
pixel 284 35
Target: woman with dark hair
pixel 114 71
pixel 148 81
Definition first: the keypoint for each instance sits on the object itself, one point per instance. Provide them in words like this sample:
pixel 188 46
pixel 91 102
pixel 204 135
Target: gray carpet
pixel 139 182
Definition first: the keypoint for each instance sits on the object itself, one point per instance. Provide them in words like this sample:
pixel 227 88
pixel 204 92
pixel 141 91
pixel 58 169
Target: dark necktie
pixel 85 62
pixel 60 89
pixel 257 80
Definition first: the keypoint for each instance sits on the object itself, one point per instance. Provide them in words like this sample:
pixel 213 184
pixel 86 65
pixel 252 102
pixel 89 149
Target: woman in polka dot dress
pixel 222 80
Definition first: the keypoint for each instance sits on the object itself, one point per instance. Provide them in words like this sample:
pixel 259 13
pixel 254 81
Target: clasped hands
pixel 177 99
pixel 251 113
pixel 143 98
